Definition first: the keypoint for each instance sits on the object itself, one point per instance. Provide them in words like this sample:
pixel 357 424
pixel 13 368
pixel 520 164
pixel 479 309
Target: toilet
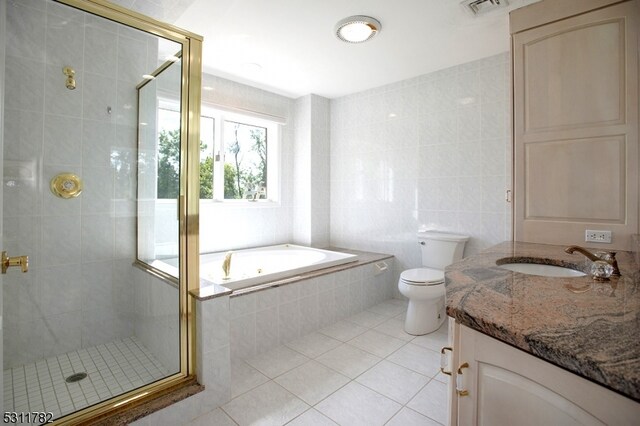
pixel 424 287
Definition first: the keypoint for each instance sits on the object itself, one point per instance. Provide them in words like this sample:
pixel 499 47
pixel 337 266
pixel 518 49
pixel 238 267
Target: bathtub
pixel 261 265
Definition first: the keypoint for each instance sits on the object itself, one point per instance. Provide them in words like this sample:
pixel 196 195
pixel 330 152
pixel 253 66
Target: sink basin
pixel 542 270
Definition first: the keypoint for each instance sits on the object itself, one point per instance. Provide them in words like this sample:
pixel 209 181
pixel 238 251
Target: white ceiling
pixel 297 52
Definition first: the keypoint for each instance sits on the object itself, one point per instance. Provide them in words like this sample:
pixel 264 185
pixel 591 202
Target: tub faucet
pixel 608 256
pixel 226 265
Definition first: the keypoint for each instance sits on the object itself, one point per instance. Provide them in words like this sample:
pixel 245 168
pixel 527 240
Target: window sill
pixel 241 203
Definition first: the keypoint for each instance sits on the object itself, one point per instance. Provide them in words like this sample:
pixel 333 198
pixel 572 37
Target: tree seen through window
pixel 244 161
pixel 245 167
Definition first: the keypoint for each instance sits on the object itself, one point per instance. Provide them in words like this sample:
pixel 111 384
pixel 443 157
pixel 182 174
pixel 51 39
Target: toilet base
pixel 424 316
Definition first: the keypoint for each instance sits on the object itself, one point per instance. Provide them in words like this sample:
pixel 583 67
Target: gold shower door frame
pixel 188 204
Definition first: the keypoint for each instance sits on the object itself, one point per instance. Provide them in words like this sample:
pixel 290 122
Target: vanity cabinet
pixel 575 120
pixel 501 385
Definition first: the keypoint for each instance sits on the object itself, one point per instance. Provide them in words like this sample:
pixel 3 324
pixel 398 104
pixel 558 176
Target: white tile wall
pixel 226 227
pixel 311 172
pixel 263 320
pixel 163 10
pixel 320 168
pixel 77 292
pixel 155 320
pixel 432 151
pixel 213 349
pixel 302 195
pixel 297 216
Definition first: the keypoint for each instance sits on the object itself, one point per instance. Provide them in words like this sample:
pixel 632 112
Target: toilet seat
pixel 422 276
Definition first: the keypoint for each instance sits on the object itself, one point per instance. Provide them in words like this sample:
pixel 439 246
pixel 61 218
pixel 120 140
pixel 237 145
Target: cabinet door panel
pixel 576 151
pixel 507 386
pixel 507 398
pixel 568 85
pixel 592 170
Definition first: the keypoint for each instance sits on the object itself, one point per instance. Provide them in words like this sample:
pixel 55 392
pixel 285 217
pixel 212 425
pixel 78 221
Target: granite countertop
pixel 589 328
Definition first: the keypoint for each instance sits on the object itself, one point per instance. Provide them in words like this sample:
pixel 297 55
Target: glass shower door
pixel 84 324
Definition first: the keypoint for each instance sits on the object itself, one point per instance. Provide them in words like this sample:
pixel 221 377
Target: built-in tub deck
pixel 249 267
pixel 210 290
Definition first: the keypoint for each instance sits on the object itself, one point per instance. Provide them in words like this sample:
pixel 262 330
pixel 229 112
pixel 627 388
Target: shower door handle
pixel 21 261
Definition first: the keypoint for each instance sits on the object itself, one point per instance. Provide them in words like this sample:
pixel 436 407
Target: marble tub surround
pixel 209 290
pixel 589 328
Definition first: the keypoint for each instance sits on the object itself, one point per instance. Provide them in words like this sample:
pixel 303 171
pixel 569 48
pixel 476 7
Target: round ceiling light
pixel 357 29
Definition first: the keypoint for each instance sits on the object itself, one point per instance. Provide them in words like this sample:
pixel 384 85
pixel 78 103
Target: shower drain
pixel 76 377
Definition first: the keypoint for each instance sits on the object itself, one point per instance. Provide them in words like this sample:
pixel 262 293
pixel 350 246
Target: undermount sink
pixel 542 270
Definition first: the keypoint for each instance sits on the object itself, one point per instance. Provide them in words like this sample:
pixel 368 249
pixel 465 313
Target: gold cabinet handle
pixel 444 360
pixel 459 386
pixel 21 261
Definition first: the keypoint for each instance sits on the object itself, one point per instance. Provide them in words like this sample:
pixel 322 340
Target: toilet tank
pixel 440 249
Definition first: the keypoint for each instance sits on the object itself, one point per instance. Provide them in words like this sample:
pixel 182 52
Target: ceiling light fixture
pixel 357 29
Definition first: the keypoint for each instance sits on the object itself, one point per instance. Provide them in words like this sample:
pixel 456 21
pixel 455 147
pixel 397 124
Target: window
pixel 244 157
pixel 238 156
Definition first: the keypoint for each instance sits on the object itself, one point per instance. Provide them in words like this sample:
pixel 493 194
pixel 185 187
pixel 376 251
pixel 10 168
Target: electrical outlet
pixel 591 236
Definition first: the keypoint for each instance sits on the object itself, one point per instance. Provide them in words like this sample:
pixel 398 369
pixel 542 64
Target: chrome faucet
pixel 226 265
pixel 608 256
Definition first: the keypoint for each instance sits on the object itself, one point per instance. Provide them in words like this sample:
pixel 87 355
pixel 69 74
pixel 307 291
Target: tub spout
pixel 226 265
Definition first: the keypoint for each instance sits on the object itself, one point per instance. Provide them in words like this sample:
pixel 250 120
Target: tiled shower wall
pixel 429 152
pixel 78 291
pixel 156 318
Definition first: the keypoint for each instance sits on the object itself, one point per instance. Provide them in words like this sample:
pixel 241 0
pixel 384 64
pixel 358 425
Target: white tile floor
pixel 364 370
pixel 112 369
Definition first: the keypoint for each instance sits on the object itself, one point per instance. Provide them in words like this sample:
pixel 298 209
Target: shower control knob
pixel 21 261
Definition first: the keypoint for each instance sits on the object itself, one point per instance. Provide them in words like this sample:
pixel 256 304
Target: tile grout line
pixel 53 370
pixel 430 379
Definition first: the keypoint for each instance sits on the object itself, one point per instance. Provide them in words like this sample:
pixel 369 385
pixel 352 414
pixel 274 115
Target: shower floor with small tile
pixel 112 369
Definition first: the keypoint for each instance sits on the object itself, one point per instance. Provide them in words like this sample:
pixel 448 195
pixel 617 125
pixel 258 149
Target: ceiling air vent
pixel 480 7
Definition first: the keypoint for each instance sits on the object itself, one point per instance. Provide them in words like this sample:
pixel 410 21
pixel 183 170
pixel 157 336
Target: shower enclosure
pixel 93 324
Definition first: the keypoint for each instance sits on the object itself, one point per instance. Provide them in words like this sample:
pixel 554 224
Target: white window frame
pixel 273 151
pixel 273 154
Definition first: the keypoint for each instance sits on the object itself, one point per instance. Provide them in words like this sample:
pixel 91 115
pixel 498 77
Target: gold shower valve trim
pixel 66 185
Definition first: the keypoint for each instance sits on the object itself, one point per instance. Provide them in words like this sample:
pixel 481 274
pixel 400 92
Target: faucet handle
pixel 610 257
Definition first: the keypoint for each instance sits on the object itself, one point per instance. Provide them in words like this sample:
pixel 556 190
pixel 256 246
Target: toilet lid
pixel 423 276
